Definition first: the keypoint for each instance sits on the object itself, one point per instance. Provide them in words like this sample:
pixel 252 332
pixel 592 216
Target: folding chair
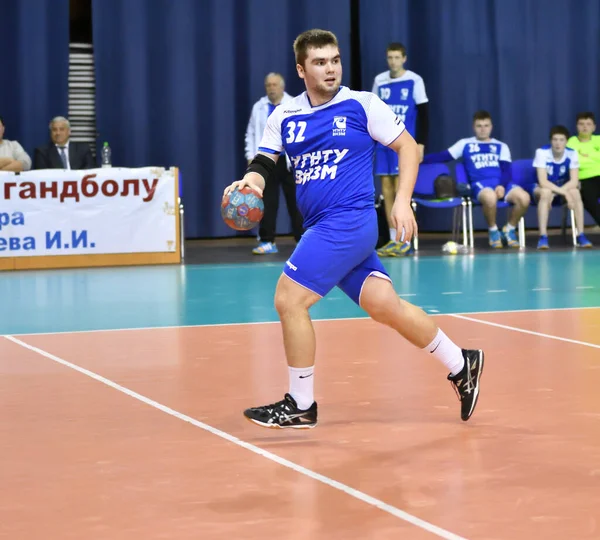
pixel 461 178
pixel 424 195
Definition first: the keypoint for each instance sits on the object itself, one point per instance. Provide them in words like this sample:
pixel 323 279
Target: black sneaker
pixel 466 383
pixel 283 414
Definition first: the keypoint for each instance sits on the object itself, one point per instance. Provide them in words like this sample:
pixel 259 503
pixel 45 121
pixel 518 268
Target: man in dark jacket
pixel 61 153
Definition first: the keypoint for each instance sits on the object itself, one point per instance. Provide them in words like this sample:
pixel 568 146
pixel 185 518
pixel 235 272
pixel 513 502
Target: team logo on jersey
pixel 339 126
pixel 562 170
pixel 404 93
pixel 493 148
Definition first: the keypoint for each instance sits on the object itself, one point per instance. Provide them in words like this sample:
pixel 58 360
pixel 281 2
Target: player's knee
pixel 488 197
pixel 290 296
pixel 546 195
pixel 376 297
pixel 521 198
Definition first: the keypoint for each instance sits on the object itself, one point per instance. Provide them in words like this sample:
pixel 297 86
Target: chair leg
pixel 470 208
pixel 573 227
pixel 416 237
pixel 464 222
pixel 522 232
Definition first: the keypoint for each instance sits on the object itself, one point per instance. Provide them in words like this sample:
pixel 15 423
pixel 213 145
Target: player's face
pixel 274 87
pixel 322 70
pixel 395 60
pixel 586 126
pixel 559 143
pixel 483 129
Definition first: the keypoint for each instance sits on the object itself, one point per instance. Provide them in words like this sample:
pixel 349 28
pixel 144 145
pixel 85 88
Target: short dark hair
pixel 312 39
pixel 396 47
pixel 2 121
pixel 559 130
pixel 482 115
pixel 585 116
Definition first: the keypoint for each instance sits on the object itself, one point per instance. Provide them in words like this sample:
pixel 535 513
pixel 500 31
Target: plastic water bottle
pixel 106 156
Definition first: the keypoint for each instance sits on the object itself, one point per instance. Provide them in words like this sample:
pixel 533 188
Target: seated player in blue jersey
pixel 404 92
pixel 328 132
pixel 488 165
pixel 557 169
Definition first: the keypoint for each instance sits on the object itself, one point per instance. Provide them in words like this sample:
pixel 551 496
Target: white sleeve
pixel 383 124
pixel 504 153
pixel 271 142
pixel 539 161
pixel 574 161
pixel 456 150
pixel 375 87
pixel 250 135
pixel 419 94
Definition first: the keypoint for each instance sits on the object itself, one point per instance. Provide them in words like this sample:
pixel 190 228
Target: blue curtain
pixel 176 81
pixel 34 40
pixel 531 63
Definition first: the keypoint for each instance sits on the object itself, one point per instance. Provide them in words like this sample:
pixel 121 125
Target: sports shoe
pixel 265 248
pixel 583 242
pixel 466 383
pixel 543 242
pixel 511 237
pixel 283 414
pixel 495 239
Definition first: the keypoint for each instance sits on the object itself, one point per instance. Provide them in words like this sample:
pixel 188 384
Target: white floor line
pixel 524 331
pixel 396 512
pixel 212 325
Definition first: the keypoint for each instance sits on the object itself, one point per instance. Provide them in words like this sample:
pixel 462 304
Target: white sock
pixel 302 382
pixel 510 227
pixel 494 228
pixel 393 235
pixel 447 352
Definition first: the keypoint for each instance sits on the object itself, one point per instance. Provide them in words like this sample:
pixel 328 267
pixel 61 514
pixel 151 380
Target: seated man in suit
pixel 62 153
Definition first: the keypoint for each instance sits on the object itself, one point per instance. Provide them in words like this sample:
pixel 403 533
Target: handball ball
pixel 451 248
pixel 242 209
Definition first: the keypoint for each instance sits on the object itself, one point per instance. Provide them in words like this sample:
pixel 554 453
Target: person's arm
pixel 539 163
pixel 573 181
pixel 422 126
pixel 12 166
pixel 250 135
pixel 386 128
pixel 439 157
pixel 263 163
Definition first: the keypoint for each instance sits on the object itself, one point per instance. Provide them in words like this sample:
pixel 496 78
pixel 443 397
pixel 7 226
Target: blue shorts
pixel 338 251
pixel 386 161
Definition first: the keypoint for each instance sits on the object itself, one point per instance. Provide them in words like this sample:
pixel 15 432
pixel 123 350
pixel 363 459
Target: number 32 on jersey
pixel 295 132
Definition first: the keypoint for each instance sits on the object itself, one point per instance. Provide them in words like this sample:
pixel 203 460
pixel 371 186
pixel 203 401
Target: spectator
pixel 12 156
pixel 557 169
pixel 488 165
pixel 61 152
pixel 404 92
pixel 587 146
pixel 282 176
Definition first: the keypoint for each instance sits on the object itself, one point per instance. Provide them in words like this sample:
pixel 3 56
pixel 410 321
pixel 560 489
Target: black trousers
pixel 280 177
pixel 590 193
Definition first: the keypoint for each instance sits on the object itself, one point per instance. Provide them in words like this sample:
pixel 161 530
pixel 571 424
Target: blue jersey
pixel 402 95
pixel 557 169
pixel 331 148
pixel 481 159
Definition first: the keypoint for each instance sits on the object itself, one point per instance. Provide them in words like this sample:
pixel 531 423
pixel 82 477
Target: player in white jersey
pixel 329 132
pixel 557 169
pixel 404 92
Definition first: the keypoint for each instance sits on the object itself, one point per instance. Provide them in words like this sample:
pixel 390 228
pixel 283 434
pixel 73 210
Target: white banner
pixel 98 211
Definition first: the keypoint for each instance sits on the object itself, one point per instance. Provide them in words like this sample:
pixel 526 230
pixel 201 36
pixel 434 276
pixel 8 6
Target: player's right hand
pixel 239 184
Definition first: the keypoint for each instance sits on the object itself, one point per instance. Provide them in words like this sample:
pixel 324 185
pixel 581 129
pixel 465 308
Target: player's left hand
pixel 403 220
pixel 500 192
